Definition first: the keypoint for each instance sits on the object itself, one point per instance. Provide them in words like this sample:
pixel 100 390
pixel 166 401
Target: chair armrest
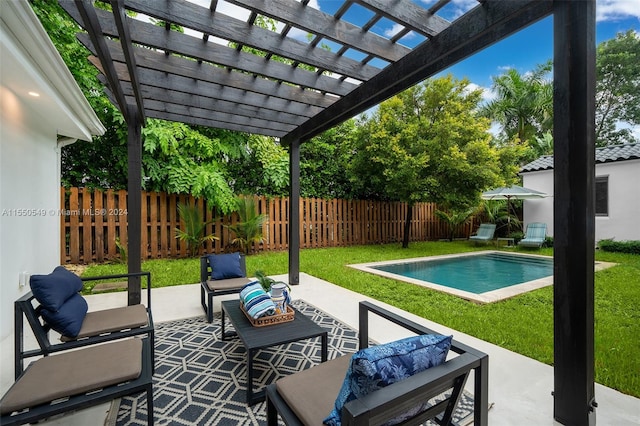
pixel 383 405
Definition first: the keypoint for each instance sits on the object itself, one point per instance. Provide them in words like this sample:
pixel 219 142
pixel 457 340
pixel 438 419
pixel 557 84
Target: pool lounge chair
pixel 484 233
pixel 535 235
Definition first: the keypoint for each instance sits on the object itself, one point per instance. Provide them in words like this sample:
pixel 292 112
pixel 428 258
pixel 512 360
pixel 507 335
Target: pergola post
pixel 574 211
pixel 294 212
pixel 134 203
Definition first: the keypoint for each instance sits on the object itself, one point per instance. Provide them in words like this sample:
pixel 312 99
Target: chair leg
pixel 207 309
pixel 210 307
pixel 204 306
pixel 150 405
pixel 272 413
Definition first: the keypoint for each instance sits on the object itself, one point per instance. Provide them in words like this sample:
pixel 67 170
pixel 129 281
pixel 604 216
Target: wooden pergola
pixel 204 76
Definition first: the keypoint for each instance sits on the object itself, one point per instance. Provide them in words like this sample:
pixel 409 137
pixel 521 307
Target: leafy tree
pixel 181 160
pixel 262 169
pixel 427 144
pixel 524 103
pixel 617 88
pixel 324 160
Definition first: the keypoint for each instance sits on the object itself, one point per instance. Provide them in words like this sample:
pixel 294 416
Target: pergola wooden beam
pixel 158 70
pixel 158 38
pixel 407 13
pixel 474 31
pixel 87 14
pixel 298 15
pixel 189 15
pixel 127 48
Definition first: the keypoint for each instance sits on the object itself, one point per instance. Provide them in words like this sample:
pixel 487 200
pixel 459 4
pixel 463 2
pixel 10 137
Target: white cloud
pixel 393 30
pixel 612 10
pixel 463 6
pixel 487 94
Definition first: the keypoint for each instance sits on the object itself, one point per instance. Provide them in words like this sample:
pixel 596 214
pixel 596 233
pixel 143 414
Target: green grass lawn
pixel 523 324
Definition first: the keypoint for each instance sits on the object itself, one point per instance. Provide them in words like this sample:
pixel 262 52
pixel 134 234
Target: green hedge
pixel 632 247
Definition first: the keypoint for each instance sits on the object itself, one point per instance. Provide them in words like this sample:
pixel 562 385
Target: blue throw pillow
pixel 54 289
pixel 256 301
pixel 374 368
pixel 225 266
pixel 68 319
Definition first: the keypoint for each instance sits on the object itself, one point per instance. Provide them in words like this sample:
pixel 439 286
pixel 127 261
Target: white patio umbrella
pixel 512 193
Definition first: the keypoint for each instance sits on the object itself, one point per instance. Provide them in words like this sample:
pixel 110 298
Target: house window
pixel 602 196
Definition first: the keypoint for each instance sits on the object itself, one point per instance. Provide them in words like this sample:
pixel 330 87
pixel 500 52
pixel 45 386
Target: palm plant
pixel 497 211
pixel 524 102
pixel 194 233
pixel 455 219
pixel 248 229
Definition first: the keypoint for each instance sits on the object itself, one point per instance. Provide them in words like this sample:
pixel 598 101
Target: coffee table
pixel 256 338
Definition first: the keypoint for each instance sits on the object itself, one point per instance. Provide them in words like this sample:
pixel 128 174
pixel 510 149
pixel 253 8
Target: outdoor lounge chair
pixel 309 396
pixel 484 233
pixel 221 274
pixel 535 235
pixel 79 379
pixel 96 327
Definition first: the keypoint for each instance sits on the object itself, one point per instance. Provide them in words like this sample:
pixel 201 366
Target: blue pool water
pixel 475 274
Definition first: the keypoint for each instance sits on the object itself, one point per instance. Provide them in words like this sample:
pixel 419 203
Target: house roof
pixel 31 63
pixel 605 154
pixel 200 64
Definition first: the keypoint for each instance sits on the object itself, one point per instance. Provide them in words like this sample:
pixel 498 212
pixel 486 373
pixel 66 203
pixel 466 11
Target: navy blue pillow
pixel 54 289
pixel 378 366
pixel 68 319
pixel 225 266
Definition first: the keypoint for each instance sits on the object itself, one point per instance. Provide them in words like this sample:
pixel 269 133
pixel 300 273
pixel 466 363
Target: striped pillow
pixel 256 301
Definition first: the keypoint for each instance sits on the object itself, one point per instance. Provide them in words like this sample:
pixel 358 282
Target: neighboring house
pixel 617 194
pixel 42 108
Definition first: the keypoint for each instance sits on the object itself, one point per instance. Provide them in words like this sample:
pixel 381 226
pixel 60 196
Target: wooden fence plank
pixel 112 231
pixel 74 228
pixel 98 227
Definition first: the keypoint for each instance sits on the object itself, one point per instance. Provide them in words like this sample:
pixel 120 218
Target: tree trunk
pixel 407 227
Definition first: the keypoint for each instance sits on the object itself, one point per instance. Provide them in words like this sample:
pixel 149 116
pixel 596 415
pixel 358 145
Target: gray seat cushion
pixel 110 320
pixel 311 393
pixel 74 373
pixel 227 284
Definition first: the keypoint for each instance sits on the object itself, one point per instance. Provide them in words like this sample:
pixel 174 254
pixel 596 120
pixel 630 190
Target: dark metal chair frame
pixel 144 383
pixel 378 407
pixel 205 275
pixel 24 308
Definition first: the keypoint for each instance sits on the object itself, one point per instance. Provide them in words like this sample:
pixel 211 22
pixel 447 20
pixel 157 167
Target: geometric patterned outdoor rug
pixel 201 380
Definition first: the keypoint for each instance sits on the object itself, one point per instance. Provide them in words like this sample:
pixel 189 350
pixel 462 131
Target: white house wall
pixel 624 200
pixel 29 200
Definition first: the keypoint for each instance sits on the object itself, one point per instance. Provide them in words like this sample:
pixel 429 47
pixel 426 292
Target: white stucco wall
pixel 29 193
pixel 624 200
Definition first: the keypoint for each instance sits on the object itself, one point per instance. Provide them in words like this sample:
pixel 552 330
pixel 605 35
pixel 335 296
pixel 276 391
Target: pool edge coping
pixel 483 298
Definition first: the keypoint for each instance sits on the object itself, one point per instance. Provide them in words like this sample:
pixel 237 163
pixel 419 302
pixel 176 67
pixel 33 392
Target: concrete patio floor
pixel 519 387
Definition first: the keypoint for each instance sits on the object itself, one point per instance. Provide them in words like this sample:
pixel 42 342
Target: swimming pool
pixel 480 276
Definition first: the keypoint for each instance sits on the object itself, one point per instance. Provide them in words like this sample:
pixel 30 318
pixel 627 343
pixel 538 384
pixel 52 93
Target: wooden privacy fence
pixel 94 223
